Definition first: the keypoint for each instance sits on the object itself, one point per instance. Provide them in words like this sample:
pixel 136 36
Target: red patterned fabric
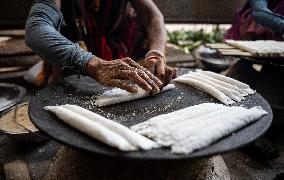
pixel 103 38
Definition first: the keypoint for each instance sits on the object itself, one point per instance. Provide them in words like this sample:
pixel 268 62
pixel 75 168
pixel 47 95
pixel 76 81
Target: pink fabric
pixel 245 27
pixel 109 46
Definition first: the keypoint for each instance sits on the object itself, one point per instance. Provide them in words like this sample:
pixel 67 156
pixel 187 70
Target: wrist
pixel 92 65
pixel 155 54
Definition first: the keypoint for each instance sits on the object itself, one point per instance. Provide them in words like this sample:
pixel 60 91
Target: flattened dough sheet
pixel 198 126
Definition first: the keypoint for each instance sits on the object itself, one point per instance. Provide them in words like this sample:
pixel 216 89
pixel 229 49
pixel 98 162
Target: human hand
pixel 115 73
pixel 155 63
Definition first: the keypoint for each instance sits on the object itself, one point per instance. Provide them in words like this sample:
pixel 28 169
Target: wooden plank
pixel 219 46
pixel 14 47
pixel 13 32
pixel 22 60
pixel 12 69
pixel 235 53
pixel 3 39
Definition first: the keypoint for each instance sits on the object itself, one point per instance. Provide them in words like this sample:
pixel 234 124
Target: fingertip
pixel 159 83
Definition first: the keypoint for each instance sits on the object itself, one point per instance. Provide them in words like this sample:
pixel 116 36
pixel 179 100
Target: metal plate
pixel 82 91
pixel 10 94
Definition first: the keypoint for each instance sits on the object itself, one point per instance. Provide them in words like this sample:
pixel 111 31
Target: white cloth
pixel 197 126
pixel 117 95
pixel 102 129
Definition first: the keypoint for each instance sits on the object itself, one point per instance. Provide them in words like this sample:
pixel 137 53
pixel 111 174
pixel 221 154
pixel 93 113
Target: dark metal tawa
pixel 82 91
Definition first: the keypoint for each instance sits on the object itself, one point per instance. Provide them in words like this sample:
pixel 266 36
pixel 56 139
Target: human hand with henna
pixel 116 73
pixel 155 62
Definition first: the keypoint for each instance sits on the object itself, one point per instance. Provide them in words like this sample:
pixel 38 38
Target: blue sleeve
pixel 43 37
pixel 265 17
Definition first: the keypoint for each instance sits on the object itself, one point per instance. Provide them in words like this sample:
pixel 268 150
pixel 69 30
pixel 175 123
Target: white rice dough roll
pixel 165 121
pixel 91 128
pixel 221 83
pixel 207 89
pixel 234 95
pixel 106 100
pixel 197 124
pixel 226 125
pixel 168 119
pixel 224 84
pixel 131 136
pixel 167 137
pixel 229 80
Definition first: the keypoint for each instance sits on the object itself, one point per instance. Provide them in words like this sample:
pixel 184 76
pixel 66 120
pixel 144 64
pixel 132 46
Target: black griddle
pixel 266 61
pixel 81 90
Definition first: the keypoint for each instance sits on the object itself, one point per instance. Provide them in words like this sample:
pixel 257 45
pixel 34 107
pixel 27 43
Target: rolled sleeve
pixel 43 37
pixel 265 17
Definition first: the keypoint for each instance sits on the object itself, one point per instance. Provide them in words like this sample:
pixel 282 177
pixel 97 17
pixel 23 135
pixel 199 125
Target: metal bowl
pixel 10 95
pixel 25 136
pixel 212 61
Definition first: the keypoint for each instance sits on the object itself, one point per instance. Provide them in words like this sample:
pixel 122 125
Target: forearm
pixel 265 17
pixel 153 22
pixel 42 35
pixel 157 34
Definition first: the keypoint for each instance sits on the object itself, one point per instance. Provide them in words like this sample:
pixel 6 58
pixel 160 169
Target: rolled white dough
pixel 116 96
pixel 131 136
pixel 91 128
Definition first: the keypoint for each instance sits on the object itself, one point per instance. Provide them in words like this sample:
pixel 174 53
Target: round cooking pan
pixel 266 61
pixel 82 91
pixel 10 94
pixel 19 133
pixel 212 61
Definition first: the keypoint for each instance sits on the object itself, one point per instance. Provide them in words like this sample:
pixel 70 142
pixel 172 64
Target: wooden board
pixel 230 50
pixel 219 46
pixel 14 47
pixel 234 52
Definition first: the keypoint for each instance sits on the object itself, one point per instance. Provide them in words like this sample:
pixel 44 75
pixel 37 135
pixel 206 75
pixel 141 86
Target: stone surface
pixel 69 162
